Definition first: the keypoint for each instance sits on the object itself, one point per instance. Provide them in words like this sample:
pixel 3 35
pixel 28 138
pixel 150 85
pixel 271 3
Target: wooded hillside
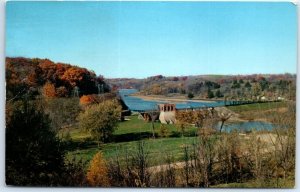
pixel 42 76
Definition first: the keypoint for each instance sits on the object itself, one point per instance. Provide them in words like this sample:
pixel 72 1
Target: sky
pixel 141 39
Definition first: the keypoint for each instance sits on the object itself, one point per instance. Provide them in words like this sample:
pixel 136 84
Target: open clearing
pixel 133 130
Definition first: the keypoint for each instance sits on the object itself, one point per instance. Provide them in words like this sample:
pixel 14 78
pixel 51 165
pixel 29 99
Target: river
pixel 138 104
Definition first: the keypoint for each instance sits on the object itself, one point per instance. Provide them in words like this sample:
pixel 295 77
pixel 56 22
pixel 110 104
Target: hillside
pixel 213 86
pixel 43 76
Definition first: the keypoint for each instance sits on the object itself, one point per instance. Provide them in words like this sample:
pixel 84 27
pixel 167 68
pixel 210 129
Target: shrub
pixel 97 172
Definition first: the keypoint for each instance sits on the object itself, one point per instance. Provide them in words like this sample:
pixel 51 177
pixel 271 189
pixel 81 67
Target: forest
pixel 66 126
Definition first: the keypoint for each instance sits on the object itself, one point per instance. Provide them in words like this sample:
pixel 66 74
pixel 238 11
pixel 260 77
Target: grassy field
pixel 133 130
pixel 259 111
pixel 125 141
pixel 257 107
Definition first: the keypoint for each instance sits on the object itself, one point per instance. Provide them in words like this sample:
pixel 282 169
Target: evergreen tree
pixel 34 156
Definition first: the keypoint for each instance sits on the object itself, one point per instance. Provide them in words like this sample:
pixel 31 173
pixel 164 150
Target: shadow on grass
pixel 133 137
pixel 185 134
pixel 147 135
pixel 72 145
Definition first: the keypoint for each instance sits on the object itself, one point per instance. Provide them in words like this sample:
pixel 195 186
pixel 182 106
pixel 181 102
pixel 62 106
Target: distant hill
pixel 212 86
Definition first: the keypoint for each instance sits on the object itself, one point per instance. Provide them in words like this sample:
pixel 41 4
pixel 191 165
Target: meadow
pixel 133 130
pixel 125 141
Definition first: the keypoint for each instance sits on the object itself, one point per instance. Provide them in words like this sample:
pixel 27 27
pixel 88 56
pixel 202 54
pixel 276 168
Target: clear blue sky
pixel 140 39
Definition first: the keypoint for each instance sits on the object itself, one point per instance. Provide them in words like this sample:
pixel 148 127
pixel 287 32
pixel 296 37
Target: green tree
pixel 218 93
pixel 236 85
pixel 210 94
pixel 248 85
pixel 190 95
pixel 34 156
pixel 101 119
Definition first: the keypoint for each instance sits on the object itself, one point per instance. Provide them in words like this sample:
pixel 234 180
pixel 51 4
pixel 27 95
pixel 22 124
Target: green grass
pixel 125 141
pixel 157 149
pixel 257 107
pixel 135 125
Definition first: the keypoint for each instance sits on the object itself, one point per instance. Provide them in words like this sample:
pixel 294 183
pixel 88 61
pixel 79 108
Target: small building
pixel 167 113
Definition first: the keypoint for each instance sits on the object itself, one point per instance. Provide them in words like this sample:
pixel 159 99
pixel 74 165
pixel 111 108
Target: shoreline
pixel 163 99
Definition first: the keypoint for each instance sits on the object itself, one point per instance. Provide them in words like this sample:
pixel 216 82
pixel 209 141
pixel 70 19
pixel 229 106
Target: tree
pixel 34 156
pixel 62 91
pixel 236 85
pixel 49 90
pixel 97 173
pixel 248 85
pixel 218 93
pixel 101 119
pixel 75 173
pixel 256 89
pixel 88 99
pixel 190 95
pixel 210 94
pixel 62 112
pixel 264 84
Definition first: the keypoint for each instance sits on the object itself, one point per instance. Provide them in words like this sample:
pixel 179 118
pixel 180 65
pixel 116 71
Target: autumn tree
pixel 88 99
pixel 62 91
pixel 101 119
pixel 184 119
pixel 49 90
pixel 82 78
pixel 97 173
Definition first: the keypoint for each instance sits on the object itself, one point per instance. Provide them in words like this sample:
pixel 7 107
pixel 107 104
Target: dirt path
pixel 159 168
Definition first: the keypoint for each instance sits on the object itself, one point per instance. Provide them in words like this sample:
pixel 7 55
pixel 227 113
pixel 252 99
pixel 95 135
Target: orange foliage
pixel 97 172
pixel 49 90
pixel 88 99
pixel 25 73
pixel 74 75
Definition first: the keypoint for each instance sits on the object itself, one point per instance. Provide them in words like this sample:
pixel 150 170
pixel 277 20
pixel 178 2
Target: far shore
pixel 169 99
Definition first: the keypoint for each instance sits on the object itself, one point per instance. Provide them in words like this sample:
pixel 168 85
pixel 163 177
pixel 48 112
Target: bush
pixel 190 95
pixel 97 172
pixel 101 119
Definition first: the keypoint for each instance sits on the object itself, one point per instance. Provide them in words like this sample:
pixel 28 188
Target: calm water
pixel 246 126
pixel 138 104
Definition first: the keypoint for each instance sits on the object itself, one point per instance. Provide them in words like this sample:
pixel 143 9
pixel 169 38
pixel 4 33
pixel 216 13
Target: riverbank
pixel 177 99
